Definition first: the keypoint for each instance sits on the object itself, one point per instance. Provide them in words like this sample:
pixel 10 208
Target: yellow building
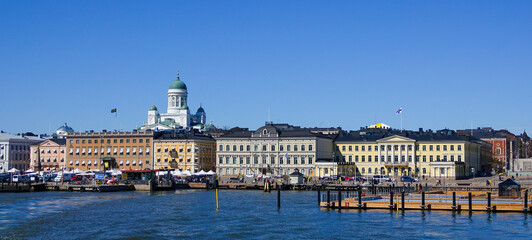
pixel 190 151
pixel 131 150
pixel 395 153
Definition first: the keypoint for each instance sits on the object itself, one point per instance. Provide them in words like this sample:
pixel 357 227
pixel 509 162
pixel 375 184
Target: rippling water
pixel 242 215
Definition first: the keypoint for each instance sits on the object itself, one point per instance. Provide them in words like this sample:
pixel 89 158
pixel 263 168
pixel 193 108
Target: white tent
pixel 186 173
pixel 30 171
pixel 201 173
pixel 14 170
pixel 176 172
pixel 162 173
pixel 78 171
pixel 211 173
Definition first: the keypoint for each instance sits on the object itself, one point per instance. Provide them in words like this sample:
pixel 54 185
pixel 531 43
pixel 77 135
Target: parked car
pixel 408 179
pixel 381 178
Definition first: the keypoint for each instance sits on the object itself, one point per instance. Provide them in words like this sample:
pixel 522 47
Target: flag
pixel 285 155
pixel 113 110
pixel 400 110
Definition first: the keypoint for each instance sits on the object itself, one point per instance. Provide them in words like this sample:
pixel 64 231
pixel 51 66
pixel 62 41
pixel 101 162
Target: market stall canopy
pixel 14 170
pixel 201 173
pixel 210 172
pixel 186 173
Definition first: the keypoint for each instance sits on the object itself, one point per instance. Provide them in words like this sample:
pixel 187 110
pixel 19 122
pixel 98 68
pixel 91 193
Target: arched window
pixel 363 170
pixel 369 170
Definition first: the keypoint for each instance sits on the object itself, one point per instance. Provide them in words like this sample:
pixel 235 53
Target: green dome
pixel 178 84
pixel 185 107
pixel 200 110
pixel 153 107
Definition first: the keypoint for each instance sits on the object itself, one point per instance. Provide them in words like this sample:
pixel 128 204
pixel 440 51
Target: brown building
pixel 192 151
pixel 48 155
pixel 131 150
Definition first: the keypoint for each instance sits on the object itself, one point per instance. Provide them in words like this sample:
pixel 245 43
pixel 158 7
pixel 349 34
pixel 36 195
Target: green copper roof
pixel 178 84
pixel 185 107
pixel 200 109
pixel 153 107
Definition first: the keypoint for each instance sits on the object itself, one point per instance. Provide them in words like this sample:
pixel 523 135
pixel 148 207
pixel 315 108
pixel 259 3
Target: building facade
pixel 131 150
pixel 48 155
pixel 184 151
pixel 274 149
pixel 177 113
pixel 395 153
pixel 15 150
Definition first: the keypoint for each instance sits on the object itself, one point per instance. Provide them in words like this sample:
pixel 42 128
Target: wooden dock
pixel 88 187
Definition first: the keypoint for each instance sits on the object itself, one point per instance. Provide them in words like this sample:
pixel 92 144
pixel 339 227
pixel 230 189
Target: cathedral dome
pixel 200 110
pixel 65 128
pixel 153 108
pixel 178 84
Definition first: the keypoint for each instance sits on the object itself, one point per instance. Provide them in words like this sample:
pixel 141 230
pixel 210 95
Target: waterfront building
pixel 184 151
pixel 177 113
pixel 275 149
pixel 502 143
pixel 130 150
pixel 15 150
pixel 443 153
pixel 48 155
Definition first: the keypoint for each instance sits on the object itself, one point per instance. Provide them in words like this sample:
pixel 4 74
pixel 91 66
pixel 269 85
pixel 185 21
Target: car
pixel 408 179
pixel 381 178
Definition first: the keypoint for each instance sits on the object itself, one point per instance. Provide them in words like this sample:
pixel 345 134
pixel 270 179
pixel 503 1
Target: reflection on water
pixel 242 214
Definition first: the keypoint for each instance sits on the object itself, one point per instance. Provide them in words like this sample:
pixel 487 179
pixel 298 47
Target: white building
pixel 15 150
pixel 177 114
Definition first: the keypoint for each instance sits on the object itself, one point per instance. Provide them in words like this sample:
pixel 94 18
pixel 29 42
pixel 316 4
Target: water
pixel 242 215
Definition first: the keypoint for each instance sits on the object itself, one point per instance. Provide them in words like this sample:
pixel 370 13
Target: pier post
pixel 403 200
pixel 278 198
pixel 454 202
pixel 470 199
pixel 391 200
pixel 328 199
pixel 319 196
pixel 525 207
pixel 489 202
pixel 339 200
pixel 359 198
pixel 423 200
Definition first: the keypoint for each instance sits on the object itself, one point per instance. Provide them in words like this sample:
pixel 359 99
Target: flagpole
pixel 116 116
pixel 401 121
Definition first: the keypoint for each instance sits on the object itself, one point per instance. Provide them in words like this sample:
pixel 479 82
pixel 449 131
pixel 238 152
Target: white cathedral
pixel 178 114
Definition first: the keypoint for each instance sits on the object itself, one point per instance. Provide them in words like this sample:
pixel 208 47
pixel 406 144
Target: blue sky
pixel 449 64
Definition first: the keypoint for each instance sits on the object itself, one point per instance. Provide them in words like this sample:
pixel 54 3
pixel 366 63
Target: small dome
pixel 185 107
pixel 178 84
pixel 65 128
pixel 200 110
pixel 153 108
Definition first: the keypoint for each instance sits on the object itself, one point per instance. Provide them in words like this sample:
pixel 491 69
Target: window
pixel 376 148
pixel 409 147
pixel 309 160
pixel 287 160
pixel 226 160
pixel 247 160
pixel 417 158
pixel 356 148
pixel 241 148
pixel 424 158
pixel 459 147
pixel 134 140
pixel 431 158
pixel 343 148
pixel 438 158
pixel 356 158
pixel 452 147
pixel 459 158
pixel 437 147
pixel 227 148
pixel 221 160
pixel 281 147
pixel 234 160
pixel 424 171
pixel 234 148
pixel 363 158
pixel 310 147
pixel 350 158
pixel 452 157
pixel 302 147
pixel 363 148
pixel 264 148
pixel 295 147
pixel 302 160
pixel 295 160
pixel 248 148
pixel 287 147
pixel 431 148
pixel 127 140
pixel 256 148
pixel 221 148
pixel 444 147
pixel 424 147
pixel 121 140
pixel 402 147
pixel 140 140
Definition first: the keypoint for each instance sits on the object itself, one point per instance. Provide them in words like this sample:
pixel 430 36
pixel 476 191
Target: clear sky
pixel 448 64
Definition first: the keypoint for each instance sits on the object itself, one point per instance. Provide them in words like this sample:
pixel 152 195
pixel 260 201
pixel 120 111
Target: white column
pixel 379 156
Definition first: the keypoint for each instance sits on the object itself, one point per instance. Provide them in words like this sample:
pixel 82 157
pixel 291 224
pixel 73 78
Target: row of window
pixel 383 171
pixel 121 163
pixel 402 147
pixel 127 140
pixel 264 160
pixel 49 160
pixel 89 150
pixel 438 158
pixel 256 147
pixel 49 151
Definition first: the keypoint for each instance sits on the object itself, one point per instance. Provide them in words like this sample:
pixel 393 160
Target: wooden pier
pixel 88 187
